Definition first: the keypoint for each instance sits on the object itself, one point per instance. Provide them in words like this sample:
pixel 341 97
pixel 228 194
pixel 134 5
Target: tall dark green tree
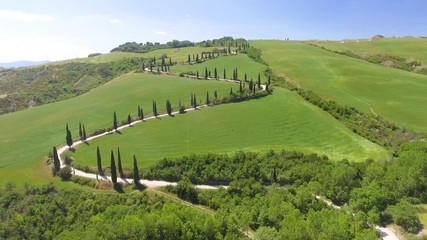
pixel 168 107
pixel 170 61
pixel 84 133
pixel 259 81
pixel 269 80
pixel 189 60
pixel 236 77
pixel 225 76
pixel 197 58
pixel 216 94
pixel 143 67
pixel 113 169
pixel 129 119
pixel 80 131
pixel 208 101
pixel 151 67
pixel 246 77
pixel 197 75
pixel 141 114
pixel 231 91
pixel 194 101
pixel 251 85
pixel 115 125
pixel 56 162
pixel 98 161
pixel 136 177
pixel 206 73
pixel 240 87
pixel 155 109
pixel 215 73
pixel 119 163
pixel 68 137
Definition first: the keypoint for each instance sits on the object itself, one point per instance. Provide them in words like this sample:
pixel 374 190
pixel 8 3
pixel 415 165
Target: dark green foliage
pixel 119 164
pixel 186 191
pixel 139 112
pixel 136 177
pixel 208 101
pixel 98 161
pixel 115 125
pixel 231 91
pixel 246 77
pixel 206 73
pixel 129 119
pixel 225 76
pixel 68 137
pixel 259 81
pixel 46 212
pixel 240 87
pixel 65 173
pixel 148 47
pixel 216 94
pixel 155 113
pixel 84 137
pixel 80 131
pixel 189 59
pixel 405 215
pixel 113 169
pixel 215 73
pixel 194 101
pixel 169 107
pixel 56 163
pixel 255 54
pixel 197 75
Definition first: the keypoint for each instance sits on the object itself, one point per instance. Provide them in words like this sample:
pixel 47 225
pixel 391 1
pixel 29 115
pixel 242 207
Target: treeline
pixel 238 43
pixel 378 192
pixel 47 212
pixel 34 86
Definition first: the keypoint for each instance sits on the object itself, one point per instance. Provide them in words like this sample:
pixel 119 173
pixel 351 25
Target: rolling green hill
pixel 409 48
pixel 29 135
pixel 281 121
pixel 396 95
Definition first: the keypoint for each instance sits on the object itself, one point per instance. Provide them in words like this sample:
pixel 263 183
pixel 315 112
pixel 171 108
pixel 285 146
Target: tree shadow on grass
pixel 118 131
pixel 139 186
pixel 71 149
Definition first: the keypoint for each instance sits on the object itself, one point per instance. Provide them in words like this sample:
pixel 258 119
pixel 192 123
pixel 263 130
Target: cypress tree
pixel 139 112
pixel 224 74
pixel 197 58
pixel 237 76
pixel 246 77
pixel 113 169
pixel 155 109
pixel 241 87
pixel 251 84
pixel 84 133
pixel 207 98
pixel 269 79
pixel 195 101
pixel 197 75
pixel 115 121
pixel 98 161
pixel 142 114
pixel 168 107
pixel 259 81
pixel 136 177
pixel 56 163
pixel 151 67
pixel 216 94
pixel 80 131
pixel 129 119
pixel 215 73
pixel 170 61
pixel 231 91
pixel 188 60
pixel 206 73
pixel 143 67
pixel 192 100
pixel 229 50
pixel 119 163
pixel 68 137
pixel 193 57
pixel 209 74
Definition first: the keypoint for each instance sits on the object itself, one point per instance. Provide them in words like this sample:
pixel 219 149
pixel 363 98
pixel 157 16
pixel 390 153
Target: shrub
pixel 182 109
pixel 65 173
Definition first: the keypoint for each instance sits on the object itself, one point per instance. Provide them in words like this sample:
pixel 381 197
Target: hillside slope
pixel 396 95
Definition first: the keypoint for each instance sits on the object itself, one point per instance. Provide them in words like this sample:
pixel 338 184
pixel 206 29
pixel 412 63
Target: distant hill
pixel 18 64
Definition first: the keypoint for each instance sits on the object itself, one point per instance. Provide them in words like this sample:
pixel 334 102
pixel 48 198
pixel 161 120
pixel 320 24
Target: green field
pixel 396 95
pixel 281 121
pixel 409 48
pixel 242 62
pixel 29 135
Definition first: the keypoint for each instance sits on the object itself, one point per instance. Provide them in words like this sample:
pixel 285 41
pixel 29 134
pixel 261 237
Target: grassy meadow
pixel 409 48
pixel 280 121
pixel 396 95
pixel 241 61
pixel 28 135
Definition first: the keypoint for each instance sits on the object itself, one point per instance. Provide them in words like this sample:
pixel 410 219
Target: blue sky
pixel 56 30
